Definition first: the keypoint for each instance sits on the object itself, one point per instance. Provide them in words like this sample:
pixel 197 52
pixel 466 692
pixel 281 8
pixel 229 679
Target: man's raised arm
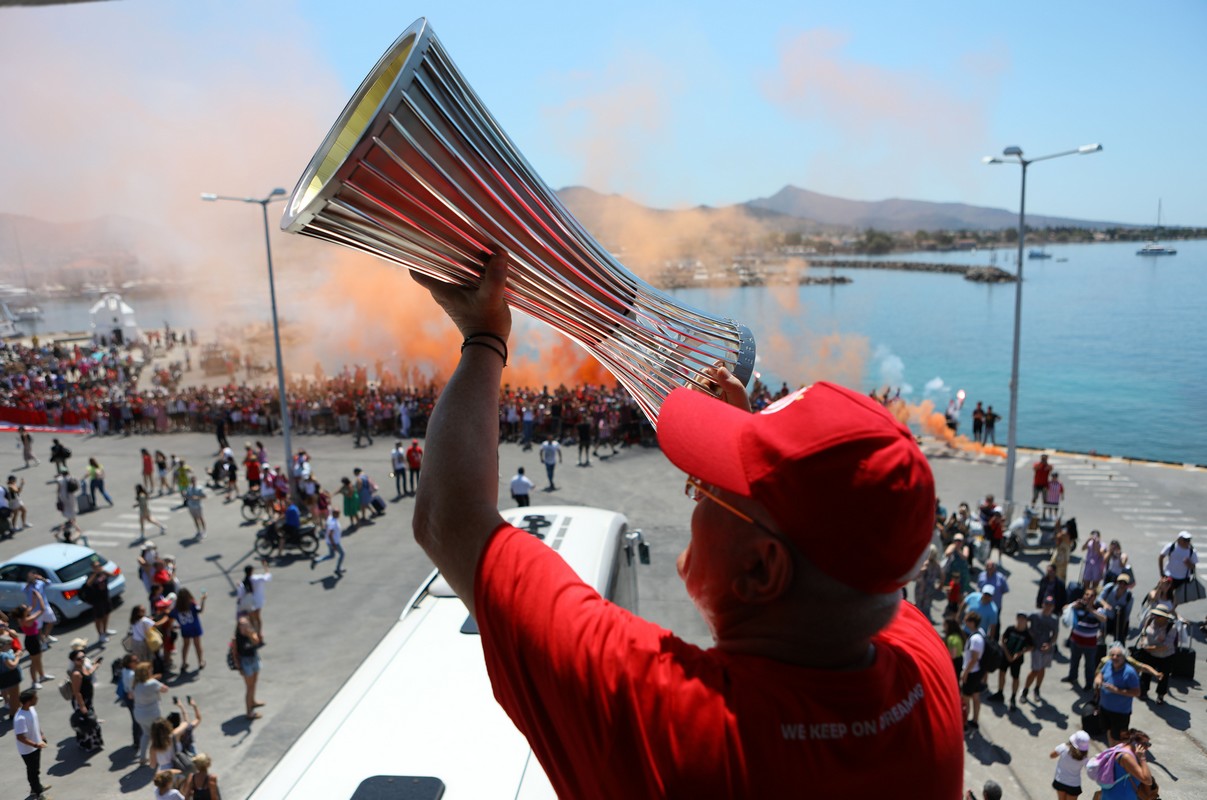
pixel 456 506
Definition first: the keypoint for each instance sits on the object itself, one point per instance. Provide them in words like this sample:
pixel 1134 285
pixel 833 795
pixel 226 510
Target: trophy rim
pixel 306 201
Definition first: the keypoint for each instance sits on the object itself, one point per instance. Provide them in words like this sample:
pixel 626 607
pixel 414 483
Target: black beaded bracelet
pixel 494 336
pixel 487 345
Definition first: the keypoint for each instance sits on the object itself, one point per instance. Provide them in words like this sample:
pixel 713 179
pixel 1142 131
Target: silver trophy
pixel 417 171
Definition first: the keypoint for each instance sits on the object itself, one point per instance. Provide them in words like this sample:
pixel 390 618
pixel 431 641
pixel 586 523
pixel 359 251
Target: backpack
pixel 993 658
pixel 1101 768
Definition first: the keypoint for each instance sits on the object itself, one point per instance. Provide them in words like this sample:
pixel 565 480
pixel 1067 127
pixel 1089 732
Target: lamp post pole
pixel 276 328
pixel 1014 155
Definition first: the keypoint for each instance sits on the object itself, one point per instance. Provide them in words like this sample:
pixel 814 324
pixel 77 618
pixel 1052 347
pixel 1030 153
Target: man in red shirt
pixel 1039 481
pixel 414 466
pixel 822 681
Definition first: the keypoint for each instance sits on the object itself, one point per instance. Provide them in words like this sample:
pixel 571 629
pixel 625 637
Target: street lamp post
pixel 276 328
pixel 1014 155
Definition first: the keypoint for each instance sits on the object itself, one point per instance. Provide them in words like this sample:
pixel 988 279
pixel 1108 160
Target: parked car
pixel 66 567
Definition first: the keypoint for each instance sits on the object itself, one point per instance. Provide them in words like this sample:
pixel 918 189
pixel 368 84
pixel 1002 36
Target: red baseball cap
pixel 841 477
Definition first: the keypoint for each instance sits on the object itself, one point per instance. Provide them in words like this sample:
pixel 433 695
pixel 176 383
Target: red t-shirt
pixel 615 706
pixel 1042 471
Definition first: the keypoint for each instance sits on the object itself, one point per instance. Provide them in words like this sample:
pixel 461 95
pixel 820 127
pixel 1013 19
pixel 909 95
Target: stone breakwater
pixel 970 273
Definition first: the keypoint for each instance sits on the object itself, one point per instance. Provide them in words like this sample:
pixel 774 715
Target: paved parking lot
pixel 318 628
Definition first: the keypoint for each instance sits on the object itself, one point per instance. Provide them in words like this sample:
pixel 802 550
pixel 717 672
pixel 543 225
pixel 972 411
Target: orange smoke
pixel 802 360
pixel 935 424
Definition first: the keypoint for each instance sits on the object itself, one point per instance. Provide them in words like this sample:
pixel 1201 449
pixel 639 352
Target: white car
pixel 66 567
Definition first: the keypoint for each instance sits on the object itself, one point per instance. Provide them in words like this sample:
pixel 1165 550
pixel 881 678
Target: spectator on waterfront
pixel 1083 641
pixel 1043 627
pixel 10 671
pixel 35 597
pixel 1158 642
pixel 1177 560
pixel 247 647
pixel 333 535
pixel 414 464
pixel 1093 563
pixel 95 592
pixel 398 468
pixel 1116 562
pixel 1016 643
pixel 165 783
pixel 1116 605
pixel 31 741
pixel 18 518
pixel 161 469
pixel 972 677
pixel 991 419
pixel 1118 684
pixel 993 576
pixel 25 620
pixel 1041 471
pixel 144 694
pixel 551 456
pixel 1061 552
pixel 95 475
pixel 148 470
pixel 982 601
pixel 26 442
pixel 59 454
pixel 1071 759
pixel 250 596
pixel 928 584
pixel 187 614
pixel 351 501
pixel 583 431
pixel 978 423
pixel 521 488
pixel 66 503
pixel 1132 762
pixel 1054 495
pixel 1050 585
pixel 193 496
pixel 202 784
pixel 83 718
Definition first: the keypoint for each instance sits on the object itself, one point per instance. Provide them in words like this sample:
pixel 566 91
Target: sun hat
pixel 988 589
pixel 1185 535
pixel 828 464
pixel 1081 740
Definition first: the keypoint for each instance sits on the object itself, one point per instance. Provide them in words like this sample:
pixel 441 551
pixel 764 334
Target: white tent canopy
pixel 113 319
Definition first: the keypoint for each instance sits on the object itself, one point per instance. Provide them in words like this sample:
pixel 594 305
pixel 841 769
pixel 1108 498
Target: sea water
pixel 1113 345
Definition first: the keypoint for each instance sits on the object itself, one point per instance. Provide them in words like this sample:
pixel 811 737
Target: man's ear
pixel 766 571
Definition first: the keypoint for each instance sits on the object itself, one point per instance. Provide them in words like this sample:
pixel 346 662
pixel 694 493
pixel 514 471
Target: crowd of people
pixel 1120 642
pixel 168 621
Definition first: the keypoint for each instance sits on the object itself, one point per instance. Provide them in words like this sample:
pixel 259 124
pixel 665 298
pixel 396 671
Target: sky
pixel 127 110
pixel 136 106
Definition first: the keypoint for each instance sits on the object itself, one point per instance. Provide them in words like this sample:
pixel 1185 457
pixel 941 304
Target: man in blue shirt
pixel 1118 683
pixel 291 525
pixel 982 602
pixel 992 576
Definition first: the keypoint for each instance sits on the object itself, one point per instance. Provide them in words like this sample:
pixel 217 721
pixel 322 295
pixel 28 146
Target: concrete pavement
pixel 319 627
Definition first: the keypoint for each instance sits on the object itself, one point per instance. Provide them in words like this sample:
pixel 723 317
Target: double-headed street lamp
pixel 276 328
pixel 1014 155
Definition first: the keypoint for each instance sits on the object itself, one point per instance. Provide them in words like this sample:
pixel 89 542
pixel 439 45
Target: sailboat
pixel 1153 247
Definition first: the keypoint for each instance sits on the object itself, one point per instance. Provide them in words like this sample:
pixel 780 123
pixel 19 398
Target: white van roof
pixel 421 704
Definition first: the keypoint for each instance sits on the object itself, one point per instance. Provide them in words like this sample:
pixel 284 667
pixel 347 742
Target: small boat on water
pixel 1040 253
pixel 27 314
pixel 1154 247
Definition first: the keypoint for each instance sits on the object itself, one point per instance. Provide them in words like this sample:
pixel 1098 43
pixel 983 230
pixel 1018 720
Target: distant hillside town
pixel 765 240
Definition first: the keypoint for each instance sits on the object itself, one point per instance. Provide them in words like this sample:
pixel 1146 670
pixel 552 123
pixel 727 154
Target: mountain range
pixel 38 245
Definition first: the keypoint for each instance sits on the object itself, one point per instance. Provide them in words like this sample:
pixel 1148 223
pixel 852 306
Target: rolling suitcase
pixel 379 505
pixel 83 503
pixel 1181 664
